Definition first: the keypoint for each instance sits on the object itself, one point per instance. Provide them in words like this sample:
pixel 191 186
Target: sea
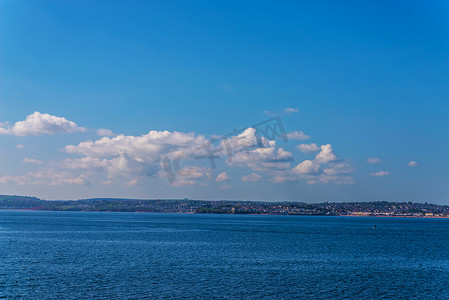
pixel 87 255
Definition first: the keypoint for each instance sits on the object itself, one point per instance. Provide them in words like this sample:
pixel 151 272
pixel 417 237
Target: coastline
pixel 265 214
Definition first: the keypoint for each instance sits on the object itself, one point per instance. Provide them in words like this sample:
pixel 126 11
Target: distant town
pixel 380 208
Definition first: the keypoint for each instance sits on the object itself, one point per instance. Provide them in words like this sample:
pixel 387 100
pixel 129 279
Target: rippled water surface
pixel 132 255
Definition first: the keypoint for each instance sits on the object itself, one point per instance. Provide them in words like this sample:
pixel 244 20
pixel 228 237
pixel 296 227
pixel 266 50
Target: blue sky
pixel 360 79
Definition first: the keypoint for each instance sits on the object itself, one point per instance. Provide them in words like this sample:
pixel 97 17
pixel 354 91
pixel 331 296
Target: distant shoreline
pixel 221 214
pixel 227 207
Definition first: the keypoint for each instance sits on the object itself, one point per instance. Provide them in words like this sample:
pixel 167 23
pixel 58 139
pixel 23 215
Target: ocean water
pixel 68 255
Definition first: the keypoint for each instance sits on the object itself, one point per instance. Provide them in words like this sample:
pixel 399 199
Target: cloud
pixel 249 150
pixel 325 179
pixel 412 163
pixel 38 124
pixel 290 110
pixel 269 154
pixel 282 179
pixel 32 161
pixel 284 111
pixel 251 178
pixel 192 175
pixel 195 173
pixel 297 135
pixel 19 180
pixel 223 176
pixel 380 173
pixel 326 155
pixel 373 160
pixel 46 177
pixel 104 132
pixel 338 169
pixel 307 148
pixel 135 155
pixel 325 168
pixel 246 140
pixel 132 182
pixel 19 146
pixel 306 167
pixel 165 154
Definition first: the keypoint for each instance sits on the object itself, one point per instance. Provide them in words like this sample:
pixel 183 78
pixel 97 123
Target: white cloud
pixel 307 148
pixel 257 153
pixel 338 169
pixel 195 173
pixel 223 176
pixel 32 161
pixel 380 173
pixel 246 140
pixel 297 135
pixel 19 146
pixel 326 155
pixel 137 156
pixel 104 132
pixel 325 168
pixel 270 154
pixel 38 123
pixel 373 160
pixel 412 163
pixel 306 167
pixel 251 178
pixel 134 155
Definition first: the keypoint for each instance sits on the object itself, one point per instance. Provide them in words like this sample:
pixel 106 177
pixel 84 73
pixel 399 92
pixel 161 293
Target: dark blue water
pixel 126 255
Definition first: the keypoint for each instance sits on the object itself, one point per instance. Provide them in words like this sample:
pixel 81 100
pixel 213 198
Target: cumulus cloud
pixel 136 155
pixel 412 163
pixel 373 160
pixel 38 123
pixel 223 176
pixel 338 169
pixel 32 161
pixel 380 173
pixel 307 148
pixel 251 178
pixel 246 140
pixel 306 167
pixel 326 155
pixel 325 168
pixel 195 173
pixel 297 135
pixel 250 150
pixel 269 154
